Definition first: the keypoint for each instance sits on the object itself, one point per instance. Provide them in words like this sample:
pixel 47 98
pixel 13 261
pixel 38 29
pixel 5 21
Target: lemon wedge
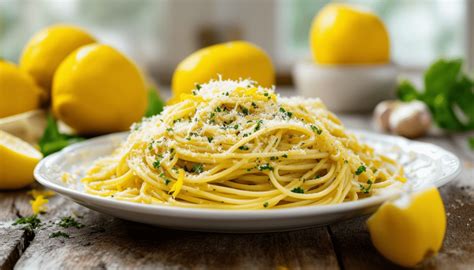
pixel 17 161
pixel 409 229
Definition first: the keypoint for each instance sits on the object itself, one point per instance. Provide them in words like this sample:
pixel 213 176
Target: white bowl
pixel 346 88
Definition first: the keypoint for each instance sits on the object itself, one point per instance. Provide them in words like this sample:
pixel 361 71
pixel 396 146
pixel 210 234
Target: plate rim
pixel 229 214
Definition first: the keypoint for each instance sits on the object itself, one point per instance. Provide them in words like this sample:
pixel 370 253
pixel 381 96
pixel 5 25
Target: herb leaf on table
pixel 449 93
pixel 53 140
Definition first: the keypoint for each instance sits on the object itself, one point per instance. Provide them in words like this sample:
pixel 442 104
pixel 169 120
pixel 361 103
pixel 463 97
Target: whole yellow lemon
pixel 17 162
pixel 96 90
pixel 409 229
pixel 48 48
pixel 342 34
pixel 232 60
pixel 18 91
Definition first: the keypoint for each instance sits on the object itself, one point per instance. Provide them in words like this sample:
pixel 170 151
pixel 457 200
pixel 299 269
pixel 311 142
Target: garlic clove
pixel 411 120
pixel 382 114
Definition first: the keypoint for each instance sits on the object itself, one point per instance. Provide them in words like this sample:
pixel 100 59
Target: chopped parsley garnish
pixel 32 222
pixel 259 124
pixel 243 147
pixel 59 234
pixel 289 114
pixel 285 155
pixel 198 86
pixel 265 94
pixel 298 190
pixel 273 158
pixel 254 105
pixel 209 139
pixel 236 126
pixel 360 170
pixel 265 204
pixel 245 111
pixel 169 129
pixel 366 190
pixel 212 115
pixel 156 164
pixel 265 167
pixel 67 222
pixel 166 180
pixel 217 109
pixel 316 129
pixel 197 168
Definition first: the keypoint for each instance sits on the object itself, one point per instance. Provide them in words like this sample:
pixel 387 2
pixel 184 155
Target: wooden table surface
pixel 107 242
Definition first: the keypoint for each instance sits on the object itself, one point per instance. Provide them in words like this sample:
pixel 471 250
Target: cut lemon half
pixel 409 229
pixel 17 161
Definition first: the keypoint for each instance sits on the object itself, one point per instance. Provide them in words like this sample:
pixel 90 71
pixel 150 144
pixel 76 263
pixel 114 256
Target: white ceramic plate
pixel 425 164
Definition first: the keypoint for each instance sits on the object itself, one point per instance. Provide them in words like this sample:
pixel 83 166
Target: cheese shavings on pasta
pixel 236 145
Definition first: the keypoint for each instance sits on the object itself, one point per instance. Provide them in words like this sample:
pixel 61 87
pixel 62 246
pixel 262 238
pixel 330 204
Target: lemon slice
pixel 409 229
pixel 17 161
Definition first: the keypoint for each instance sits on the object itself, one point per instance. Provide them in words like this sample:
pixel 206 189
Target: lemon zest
pixel 44 192
pixel 176 188
pixel 38 205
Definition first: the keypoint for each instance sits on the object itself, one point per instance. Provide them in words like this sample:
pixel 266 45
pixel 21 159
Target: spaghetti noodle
pixel 235 145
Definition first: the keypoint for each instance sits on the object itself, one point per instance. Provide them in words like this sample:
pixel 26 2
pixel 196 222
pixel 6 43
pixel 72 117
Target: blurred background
pixel 158 34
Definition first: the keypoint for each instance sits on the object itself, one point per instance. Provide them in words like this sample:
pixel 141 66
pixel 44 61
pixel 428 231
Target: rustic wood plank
pixel 13 240
pixel 108 242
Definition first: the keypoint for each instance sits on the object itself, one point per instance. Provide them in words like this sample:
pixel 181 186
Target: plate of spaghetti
pixel 236 157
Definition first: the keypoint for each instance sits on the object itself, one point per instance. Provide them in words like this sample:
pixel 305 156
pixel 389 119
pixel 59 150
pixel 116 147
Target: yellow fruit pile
pixel 91 87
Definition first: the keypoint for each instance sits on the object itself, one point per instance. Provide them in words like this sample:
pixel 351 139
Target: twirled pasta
pixel 235 145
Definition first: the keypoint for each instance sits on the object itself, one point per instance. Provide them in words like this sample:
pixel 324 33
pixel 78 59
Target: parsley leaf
pixel 155 103
pixel 59 234
pixel 197 168
pixel 298 190
pixel 448 93
pixel 67 222
pixel 31 222
pixel 243 147
pixel 360 170
pixel 259 123
pixel 471 143
pixel 366 190
pixel 52 140
pixel 265 167
pixel 316 129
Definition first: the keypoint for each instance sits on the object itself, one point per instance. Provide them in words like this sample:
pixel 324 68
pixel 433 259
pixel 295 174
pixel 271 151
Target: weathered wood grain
pixel 13 240
pixel 111 243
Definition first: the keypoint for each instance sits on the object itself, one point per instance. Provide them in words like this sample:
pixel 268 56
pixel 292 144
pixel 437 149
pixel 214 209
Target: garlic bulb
pixel 408 119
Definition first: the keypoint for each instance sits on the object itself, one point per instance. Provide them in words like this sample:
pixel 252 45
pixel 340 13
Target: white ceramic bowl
pixel 346 88
pixel 425 165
